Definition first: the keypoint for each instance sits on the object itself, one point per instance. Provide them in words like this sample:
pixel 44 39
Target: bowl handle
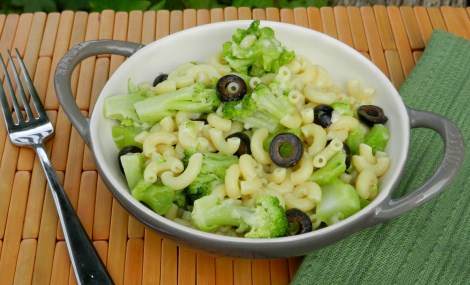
pixel 450 164
pixel 64 71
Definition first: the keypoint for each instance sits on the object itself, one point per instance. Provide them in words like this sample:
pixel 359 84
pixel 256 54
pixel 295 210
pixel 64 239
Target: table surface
pixel 32 246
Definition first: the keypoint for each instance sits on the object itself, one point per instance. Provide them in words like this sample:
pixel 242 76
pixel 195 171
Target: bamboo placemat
pixel 32 249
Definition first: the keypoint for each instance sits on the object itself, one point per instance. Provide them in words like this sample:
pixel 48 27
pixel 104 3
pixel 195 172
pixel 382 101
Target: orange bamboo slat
pixel 25 263
pixel 206 269
pixel 244 13
pixel 343 25
pixel 314 19
pixel 187 266
pixel 383 25
pixel 300 17
pixel 102 217
pixel 394 67
pixel 357 29
pixel 29 251
pixel 279 271
pixel 436 19
pixel 61 265
pixel 259 14
pixel 169 270
pixel 217 15
pixel 152 258
pixel 12 238
pixel 2 21
pixel 64 32
pixel 412 28
pixel 373 39
pixel 46 240
pixel 203 17
pixel 224 270
pixel 87 66
pixel 117 242
pixel 50 33
pixel 403 45
pixel 230 13
pixel 7 173
pixel 272 14
pixel 134 259
pixel 457 21
pixel 328 20
pixel 242 271
pixel 120 33
pixel 260 270
pixel 424 23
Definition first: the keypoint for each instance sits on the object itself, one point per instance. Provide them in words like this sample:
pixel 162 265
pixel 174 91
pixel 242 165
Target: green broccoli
pixel 331 171
pixel 266 220
pixel 212 173
pixel 158 197
pixel 255 51
pixel 194 98
pixel 339 201
pixel 121 108
pixel 125 136
pixel 261 109
pixel 377 137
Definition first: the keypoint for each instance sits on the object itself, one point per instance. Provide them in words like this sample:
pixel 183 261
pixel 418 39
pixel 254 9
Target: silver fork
pixel 32 131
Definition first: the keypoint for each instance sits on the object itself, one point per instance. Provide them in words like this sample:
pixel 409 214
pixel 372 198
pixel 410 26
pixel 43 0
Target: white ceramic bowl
pixel 200 43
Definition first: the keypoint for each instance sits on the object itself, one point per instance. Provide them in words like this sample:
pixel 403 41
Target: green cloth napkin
pixel 431 244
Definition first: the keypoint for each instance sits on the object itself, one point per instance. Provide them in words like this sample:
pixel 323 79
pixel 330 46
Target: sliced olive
pixel 231 88
pixel 160 78
pixel 125 150
pixel 299 222
pixel 286 150
pixel 200 120
pixel 347 151
pixel 371 114
pixel 244 147
pixel 322 115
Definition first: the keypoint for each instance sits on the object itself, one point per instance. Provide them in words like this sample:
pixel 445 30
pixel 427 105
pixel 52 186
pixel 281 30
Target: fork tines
pixel 21 93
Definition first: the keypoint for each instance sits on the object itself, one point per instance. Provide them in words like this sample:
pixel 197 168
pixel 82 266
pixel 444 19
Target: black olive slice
pixel 322 115
pixel 231 88
pixel 160 78
pixel 244 147
pixel 371 114
pixel 286 150
pixel 299 222
pixel 125 150
pixel 347 151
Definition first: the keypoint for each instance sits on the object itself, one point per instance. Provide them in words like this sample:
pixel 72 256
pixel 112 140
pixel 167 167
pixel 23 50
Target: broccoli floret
pixel 266 220
pixel 255 51
pixel 120 107
pixel 212 173
pixel 195 98
pixel 125 136
pixel 261 109
pixel 339 201
pixel 180 199
pixel 158 197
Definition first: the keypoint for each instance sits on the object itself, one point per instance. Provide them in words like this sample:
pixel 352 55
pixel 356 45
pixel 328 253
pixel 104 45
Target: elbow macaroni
pixel 229 146
pixel 256 146
pixel 322 157
pixel 186 177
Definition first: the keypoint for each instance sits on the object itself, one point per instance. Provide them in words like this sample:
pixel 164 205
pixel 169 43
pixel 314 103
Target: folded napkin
pixel 431 244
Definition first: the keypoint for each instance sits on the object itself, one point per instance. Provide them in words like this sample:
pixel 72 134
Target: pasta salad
pixel 258 142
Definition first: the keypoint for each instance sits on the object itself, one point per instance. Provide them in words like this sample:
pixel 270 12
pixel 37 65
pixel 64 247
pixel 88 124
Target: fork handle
pixel 88 267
